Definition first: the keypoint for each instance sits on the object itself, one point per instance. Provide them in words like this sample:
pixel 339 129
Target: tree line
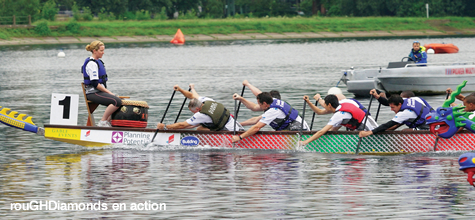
pixel 189 9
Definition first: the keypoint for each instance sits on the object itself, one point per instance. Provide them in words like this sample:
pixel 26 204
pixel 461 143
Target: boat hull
pixel 428 80
pixel 344 142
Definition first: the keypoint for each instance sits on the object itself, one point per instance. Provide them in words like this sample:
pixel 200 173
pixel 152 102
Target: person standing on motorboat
pixel 95 78
pixel 418 53
pixel 345 114
pixel 408 111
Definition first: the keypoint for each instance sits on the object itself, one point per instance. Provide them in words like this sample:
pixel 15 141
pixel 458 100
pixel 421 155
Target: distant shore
pixel 247 36
pixel 72 32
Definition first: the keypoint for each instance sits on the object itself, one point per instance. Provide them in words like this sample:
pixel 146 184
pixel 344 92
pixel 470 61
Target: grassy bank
pixel 229 26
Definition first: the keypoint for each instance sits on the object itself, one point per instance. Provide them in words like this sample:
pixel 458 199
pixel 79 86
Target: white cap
pixel 430 50
pixel 334 91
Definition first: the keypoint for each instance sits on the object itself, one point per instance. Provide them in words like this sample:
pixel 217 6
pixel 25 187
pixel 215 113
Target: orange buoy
pixel 179 38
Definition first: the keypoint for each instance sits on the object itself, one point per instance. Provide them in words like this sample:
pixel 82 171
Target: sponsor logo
pixel 136 138
pixel 212 108
pixel 72 134
pixel 88 133
pixel 190 141
pixel 117 137
pixel 171 138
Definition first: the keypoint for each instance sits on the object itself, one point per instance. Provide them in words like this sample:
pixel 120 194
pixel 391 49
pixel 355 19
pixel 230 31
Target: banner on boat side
pixel 62 133
pixel 129 138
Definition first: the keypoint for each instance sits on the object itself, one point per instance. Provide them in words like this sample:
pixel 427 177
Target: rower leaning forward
pixel 208 114
pixel 277 114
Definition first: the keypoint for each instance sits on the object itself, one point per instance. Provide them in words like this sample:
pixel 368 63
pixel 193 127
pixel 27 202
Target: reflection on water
pixel 242 184
pixel 210 183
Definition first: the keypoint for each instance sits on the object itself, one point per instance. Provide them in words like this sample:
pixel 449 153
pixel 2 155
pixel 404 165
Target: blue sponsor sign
pixel 190 141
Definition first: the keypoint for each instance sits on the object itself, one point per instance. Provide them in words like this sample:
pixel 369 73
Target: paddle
pixel 313 117
pixel 379 107
pixel 183 104
pixel 437 135
pixel 377 113
pixel 303 117
pixel 166 110
pixel 237 111
pixel 364 125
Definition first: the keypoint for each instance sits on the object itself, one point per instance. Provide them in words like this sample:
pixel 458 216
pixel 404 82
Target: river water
pixel 209 183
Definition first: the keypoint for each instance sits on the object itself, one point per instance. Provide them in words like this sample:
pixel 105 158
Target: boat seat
pixel 91 106
pixel 399 64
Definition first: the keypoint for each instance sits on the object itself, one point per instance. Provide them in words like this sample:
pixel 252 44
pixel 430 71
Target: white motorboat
pixel 422 79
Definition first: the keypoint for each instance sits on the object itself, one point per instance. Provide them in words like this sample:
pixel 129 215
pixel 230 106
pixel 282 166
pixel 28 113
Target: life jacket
pixel 101 69
pixel 357 115
pixel 361 107
pixel 217 112
pixel 290 115
pixel 418 108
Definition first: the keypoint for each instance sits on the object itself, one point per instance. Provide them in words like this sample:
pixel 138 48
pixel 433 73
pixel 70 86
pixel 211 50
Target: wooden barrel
pixel 132 114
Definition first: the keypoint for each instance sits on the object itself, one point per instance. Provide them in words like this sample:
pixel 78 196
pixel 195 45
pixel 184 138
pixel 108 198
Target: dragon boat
pixel 342 142
pixel 445 123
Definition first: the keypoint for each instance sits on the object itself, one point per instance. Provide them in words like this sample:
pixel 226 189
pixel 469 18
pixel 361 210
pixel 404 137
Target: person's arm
pixel 251 121
pixel 250 105
pixel 254 129
pixel 179 125
pixel 314 107
pixel 100 87
pixel 316 135
pixel 423 57
pixel 187 94
pixel 380 97
pixel 253 89
pixel 390 125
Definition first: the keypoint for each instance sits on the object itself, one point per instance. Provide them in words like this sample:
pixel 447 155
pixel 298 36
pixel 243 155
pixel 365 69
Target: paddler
pixel 208 114
pixel 381 97
pixel 346 113
pixel 341 99
pixel 277 114
pixel 408 111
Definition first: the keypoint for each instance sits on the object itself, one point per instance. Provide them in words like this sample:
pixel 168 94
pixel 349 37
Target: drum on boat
pixel 131 114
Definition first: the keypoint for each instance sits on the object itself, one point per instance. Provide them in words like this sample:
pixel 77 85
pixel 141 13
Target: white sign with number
pixel 64 109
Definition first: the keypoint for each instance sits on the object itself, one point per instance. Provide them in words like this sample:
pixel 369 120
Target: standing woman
pixel 95 79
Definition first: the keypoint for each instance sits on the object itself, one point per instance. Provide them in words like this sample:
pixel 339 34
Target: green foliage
pixel 127 16
pixel 191 14
pixel 20 8
pixel 49 10
pixel 87 14
pixel 104 16
pixel 74 27
pixel 142 15
pixel 42 28
pixel 3 36
pixel 162 15
pixel 76 13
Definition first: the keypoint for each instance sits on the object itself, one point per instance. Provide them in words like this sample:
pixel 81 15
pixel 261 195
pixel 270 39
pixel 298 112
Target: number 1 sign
pixel 64 109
